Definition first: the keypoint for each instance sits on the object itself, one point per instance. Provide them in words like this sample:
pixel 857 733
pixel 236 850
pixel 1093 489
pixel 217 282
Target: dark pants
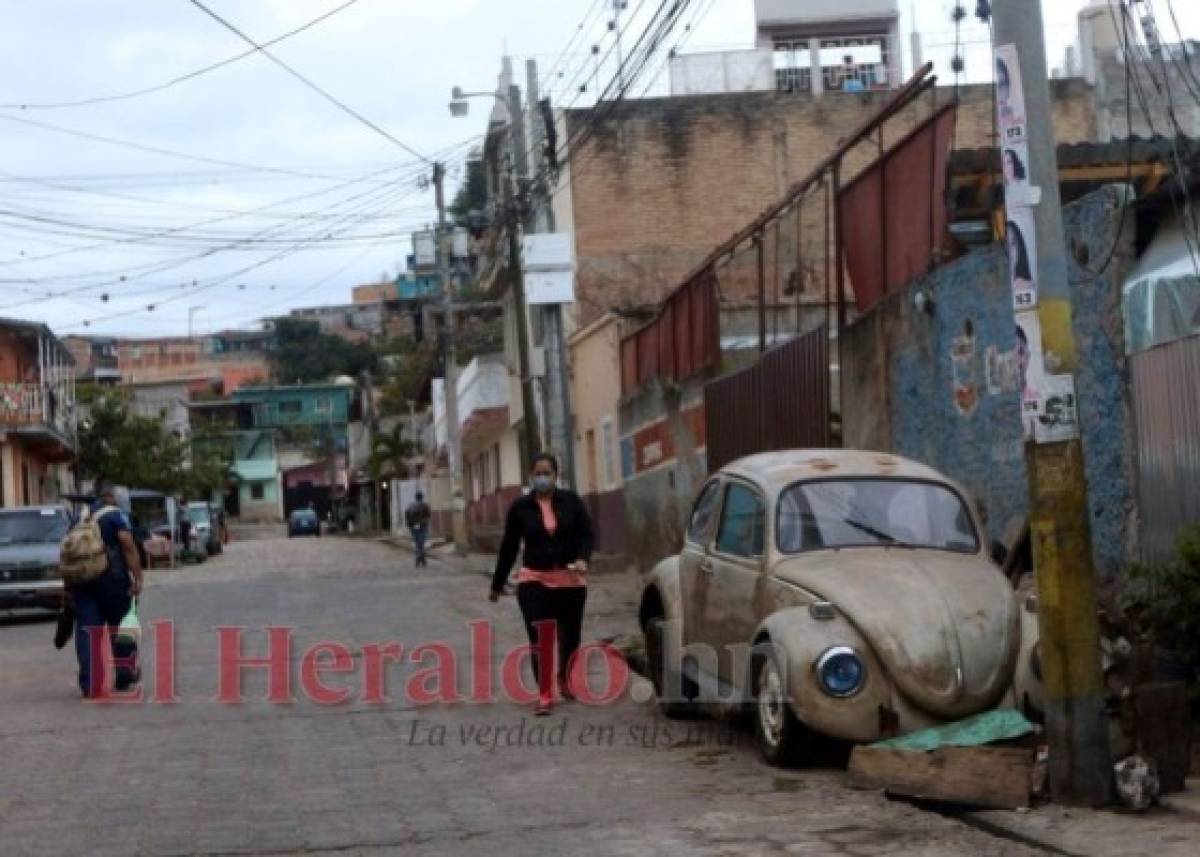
pixel 100 605
pixel 563 607
pixel 419 534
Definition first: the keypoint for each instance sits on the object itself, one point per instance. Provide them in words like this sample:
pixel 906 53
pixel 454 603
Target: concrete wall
pixel 663 465
pixel 1115 115
pixel 596 396
pixel 943 388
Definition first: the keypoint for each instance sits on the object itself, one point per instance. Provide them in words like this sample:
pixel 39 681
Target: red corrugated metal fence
pixel 683 339
pixel 781 402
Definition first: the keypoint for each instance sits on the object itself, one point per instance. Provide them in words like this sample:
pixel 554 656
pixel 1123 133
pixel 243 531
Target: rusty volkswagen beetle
pixel 836 593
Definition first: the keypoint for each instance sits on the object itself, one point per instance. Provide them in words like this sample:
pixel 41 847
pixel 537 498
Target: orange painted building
pixel 37 415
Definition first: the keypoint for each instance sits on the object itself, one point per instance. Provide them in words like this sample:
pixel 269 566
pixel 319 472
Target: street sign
pixel 550 251
pixel 549 287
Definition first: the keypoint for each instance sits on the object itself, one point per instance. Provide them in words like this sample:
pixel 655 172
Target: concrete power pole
pixel 458 503
pixel 561 431
pixel 1080 764
pixel 511 201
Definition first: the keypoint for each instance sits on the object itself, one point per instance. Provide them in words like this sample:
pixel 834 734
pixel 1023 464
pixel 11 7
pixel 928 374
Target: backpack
pixel 83 556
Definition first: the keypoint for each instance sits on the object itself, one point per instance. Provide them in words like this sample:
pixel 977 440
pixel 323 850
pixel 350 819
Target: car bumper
pixel 32 593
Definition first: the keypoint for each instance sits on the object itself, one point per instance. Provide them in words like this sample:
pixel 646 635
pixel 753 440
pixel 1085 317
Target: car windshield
pixel 32 526
pixel 872 512
pixel 198 514
pixel 304 516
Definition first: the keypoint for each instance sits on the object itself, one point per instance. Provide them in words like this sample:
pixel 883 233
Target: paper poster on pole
pixel 1010 96
pixel 1059 418
pixel 1018 192
pixel 1031 369
pixel 1020 239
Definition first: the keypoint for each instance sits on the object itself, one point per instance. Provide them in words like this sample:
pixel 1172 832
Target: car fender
pixel 1028 690
pixel 662 593
pixel 798 640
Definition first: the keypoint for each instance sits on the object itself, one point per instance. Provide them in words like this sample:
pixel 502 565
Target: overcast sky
pixel 110 230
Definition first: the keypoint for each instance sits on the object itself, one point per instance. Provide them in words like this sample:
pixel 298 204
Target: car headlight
pixel 841 672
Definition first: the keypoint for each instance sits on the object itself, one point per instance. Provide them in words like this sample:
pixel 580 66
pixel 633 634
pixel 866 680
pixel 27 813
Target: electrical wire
pixel 137 93
pixel 146 271
pixel 158 150
pixel 1134 52
pixel 200 288
pixel 345 108
pixel 454 151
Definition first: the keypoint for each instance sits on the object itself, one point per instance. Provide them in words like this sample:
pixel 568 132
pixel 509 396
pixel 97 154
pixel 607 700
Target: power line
pixel 453 151
pixel 323 93
pixel 144 271
pixel 158 150
pixel 199 288
pixel 104 99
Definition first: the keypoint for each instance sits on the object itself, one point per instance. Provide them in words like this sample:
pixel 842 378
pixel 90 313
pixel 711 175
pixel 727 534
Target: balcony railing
pixel 31 405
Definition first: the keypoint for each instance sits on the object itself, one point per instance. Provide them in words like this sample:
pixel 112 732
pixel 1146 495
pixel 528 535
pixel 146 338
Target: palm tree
pixel 389 454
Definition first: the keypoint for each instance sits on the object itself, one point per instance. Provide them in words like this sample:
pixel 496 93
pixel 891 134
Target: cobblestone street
pixel 199 777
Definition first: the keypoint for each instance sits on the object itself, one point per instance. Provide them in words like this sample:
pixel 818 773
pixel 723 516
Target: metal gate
pixel 1166 398
pixel 781 402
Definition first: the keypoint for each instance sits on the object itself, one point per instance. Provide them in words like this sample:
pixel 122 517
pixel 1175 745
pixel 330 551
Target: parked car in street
pixel 29 540
pixel 304 522
pixel 836 593
pixel 205 526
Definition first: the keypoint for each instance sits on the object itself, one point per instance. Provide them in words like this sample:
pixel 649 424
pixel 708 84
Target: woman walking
pixel 556 531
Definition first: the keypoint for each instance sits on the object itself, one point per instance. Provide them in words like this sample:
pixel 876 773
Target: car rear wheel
pixel 782 739
pixel 666 678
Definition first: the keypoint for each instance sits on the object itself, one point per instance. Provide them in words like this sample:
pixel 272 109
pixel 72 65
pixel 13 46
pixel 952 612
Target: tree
pixel 303 354
pixel 116 445
pixel 472 194
pixel 211 466
pixel 389 454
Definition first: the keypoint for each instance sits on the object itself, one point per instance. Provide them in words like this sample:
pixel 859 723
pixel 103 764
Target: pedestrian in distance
pixel 416 518
pixel 555 529
pixel 103 602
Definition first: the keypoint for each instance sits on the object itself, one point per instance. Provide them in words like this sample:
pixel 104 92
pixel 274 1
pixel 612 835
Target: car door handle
pixel 706 566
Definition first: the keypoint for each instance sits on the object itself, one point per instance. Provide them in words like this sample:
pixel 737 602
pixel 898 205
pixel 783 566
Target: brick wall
pixel 665 180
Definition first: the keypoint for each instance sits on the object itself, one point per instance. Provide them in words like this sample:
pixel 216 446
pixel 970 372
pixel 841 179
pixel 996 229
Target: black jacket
pixel 573 538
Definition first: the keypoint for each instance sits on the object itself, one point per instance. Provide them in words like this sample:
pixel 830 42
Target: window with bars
pixel 853 73
pixel 793 67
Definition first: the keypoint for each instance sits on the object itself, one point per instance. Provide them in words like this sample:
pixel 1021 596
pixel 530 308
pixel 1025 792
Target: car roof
pixel 781 469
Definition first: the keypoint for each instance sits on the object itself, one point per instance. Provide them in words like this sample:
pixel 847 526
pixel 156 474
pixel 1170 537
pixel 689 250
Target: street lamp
pixel 459 104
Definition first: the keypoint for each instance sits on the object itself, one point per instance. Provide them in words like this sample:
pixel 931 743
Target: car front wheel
pixel 667 678
pixel 780 735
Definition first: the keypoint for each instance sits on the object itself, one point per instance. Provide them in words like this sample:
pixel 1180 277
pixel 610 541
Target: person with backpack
pixel 103 571
pixel 416 518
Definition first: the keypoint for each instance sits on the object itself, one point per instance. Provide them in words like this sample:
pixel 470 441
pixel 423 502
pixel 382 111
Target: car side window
pixel 704 513
pixel 743 523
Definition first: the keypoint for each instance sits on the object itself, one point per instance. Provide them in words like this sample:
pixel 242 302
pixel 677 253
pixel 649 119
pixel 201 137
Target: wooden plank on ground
pixel 993 777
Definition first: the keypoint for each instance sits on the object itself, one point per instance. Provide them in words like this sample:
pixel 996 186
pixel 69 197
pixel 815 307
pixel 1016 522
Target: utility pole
pixel 558 364
pixel 532 437
pixel 458 502
pixel 1080 764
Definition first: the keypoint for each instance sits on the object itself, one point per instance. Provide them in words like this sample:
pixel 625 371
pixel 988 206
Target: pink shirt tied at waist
pixel 558 578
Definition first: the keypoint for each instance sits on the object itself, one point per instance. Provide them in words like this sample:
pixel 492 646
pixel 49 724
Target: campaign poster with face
pixel 1030 369
pixel 1010 95
pixel 1020 240
pixel 1018 192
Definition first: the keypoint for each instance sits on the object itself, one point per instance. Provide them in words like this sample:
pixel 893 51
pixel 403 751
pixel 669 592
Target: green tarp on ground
pixel 987 728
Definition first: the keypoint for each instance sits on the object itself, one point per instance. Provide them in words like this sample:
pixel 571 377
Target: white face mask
pixel 543 484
